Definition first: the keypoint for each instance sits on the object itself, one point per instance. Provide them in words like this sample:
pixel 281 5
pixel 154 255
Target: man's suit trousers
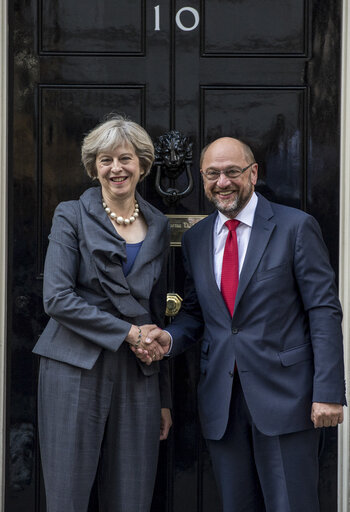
pixel 259 473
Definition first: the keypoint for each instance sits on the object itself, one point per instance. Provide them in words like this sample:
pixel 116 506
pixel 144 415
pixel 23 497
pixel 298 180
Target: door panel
pixel 89 27
pixel 251 27
pixel 272 119
pixel 267 72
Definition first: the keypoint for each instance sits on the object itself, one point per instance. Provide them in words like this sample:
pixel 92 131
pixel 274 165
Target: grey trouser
pixel 104 421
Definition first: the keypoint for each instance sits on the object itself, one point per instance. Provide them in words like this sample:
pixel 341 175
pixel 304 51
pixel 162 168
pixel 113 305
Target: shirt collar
pixel 245 216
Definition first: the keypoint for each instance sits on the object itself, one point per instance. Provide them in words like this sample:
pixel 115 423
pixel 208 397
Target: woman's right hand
pixel 149 352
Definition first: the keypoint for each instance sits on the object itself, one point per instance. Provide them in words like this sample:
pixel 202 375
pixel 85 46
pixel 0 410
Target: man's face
pixel 228 195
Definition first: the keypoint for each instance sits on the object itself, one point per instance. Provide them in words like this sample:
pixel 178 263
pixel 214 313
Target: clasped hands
pixel 148 342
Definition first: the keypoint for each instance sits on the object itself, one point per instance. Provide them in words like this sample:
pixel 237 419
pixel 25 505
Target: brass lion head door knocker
pixel 173 157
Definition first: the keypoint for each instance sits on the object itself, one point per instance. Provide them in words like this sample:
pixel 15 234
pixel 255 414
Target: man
pixel 271 358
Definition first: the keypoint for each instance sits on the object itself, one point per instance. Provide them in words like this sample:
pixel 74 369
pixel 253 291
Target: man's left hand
pixel 326 414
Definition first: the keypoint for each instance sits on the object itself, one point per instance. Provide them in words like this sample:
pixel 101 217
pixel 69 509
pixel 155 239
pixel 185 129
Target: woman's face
pixel 118 171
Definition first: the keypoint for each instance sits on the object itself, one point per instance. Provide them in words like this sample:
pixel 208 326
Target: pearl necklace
pixel 118 218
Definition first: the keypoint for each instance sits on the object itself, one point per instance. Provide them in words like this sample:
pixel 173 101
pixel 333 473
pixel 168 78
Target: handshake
pixel 149 343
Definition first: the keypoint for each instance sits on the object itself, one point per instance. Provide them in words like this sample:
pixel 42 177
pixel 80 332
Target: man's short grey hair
pixel 115 131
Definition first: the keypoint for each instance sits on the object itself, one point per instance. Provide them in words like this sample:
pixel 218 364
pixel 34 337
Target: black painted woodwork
pixel 267 72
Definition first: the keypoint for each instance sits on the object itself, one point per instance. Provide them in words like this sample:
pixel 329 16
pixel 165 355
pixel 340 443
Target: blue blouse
pixel 132 251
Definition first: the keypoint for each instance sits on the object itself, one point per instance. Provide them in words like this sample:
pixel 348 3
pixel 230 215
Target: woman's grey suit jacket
pixel 91 303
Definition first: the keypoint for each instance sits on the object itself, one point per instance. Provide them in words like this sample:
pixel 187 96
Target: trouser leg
pixel 248 465
pixel 129 453
pixel 233 461
pixel 72 407
pixel 288 470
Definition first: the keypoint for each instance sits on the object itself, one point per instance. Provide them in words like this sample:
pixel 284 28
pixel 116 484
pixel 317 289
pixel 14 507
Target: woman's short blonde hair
pixel 115 131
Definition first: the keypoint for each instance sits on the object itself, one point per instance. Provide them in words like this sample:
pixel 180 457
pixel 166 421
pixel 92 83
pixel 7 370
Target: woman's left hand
pixel 165 423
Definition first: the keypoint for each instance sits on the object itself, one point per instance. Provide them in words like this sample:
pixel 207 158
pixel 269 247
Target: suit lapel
pixel 92 201
pixel 153 244
pixel 205 252
pixel 149 261
pixel 208 252
pixel 107 249
pixel 259 238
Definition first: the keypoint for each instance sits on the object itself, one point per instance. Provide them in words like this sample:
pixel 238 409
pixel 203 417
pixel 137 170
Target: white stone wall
pixel 344 256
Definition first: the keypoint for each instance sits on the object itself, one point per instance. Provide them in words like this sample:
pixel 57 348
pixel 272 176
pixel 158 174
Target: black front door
pixel 267 72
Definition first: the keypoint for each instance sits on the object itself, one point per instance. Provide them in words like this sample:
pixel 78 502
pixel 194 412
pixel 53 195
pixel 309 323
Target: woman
pixel 101 409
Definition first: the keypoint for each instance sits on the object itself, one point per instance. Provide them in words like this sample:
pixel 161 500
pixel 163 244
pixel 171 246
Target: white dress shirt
pixel 244 229
pixel 246 219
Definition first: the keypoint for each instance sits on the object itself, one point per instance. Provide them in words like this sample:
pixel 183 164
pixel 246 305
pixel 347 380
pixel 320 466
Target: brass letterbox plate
pixel 179 224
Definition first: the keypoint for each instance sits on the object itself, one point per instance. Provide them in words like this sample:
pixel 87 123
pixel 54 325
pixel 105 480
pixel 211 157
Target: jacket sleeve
pixel 318 291
pixel 61 301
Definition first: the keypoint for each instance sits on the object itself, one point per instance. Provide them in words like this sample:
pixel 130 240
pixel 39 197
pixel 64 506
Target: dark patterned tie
pixel 230 266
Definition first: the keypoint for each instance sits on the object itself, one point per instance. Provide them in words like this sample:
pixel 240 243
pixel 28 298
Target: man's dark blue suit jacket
pixel 285 334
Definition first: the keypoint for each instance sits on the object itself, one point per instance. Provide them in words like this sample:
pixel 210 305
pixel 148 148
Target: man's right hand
pixel 154 347
pixel 161 337
pixel 137 334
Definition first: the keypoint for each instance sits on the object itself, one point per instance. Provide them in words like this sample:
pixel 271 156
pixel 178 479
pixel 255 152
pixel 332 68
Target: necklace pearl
pixel 118 218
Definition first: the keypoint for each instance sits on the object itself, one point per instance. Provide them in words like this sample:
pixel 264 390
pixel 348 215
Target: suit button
pixel 235 330
pixel 231 374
